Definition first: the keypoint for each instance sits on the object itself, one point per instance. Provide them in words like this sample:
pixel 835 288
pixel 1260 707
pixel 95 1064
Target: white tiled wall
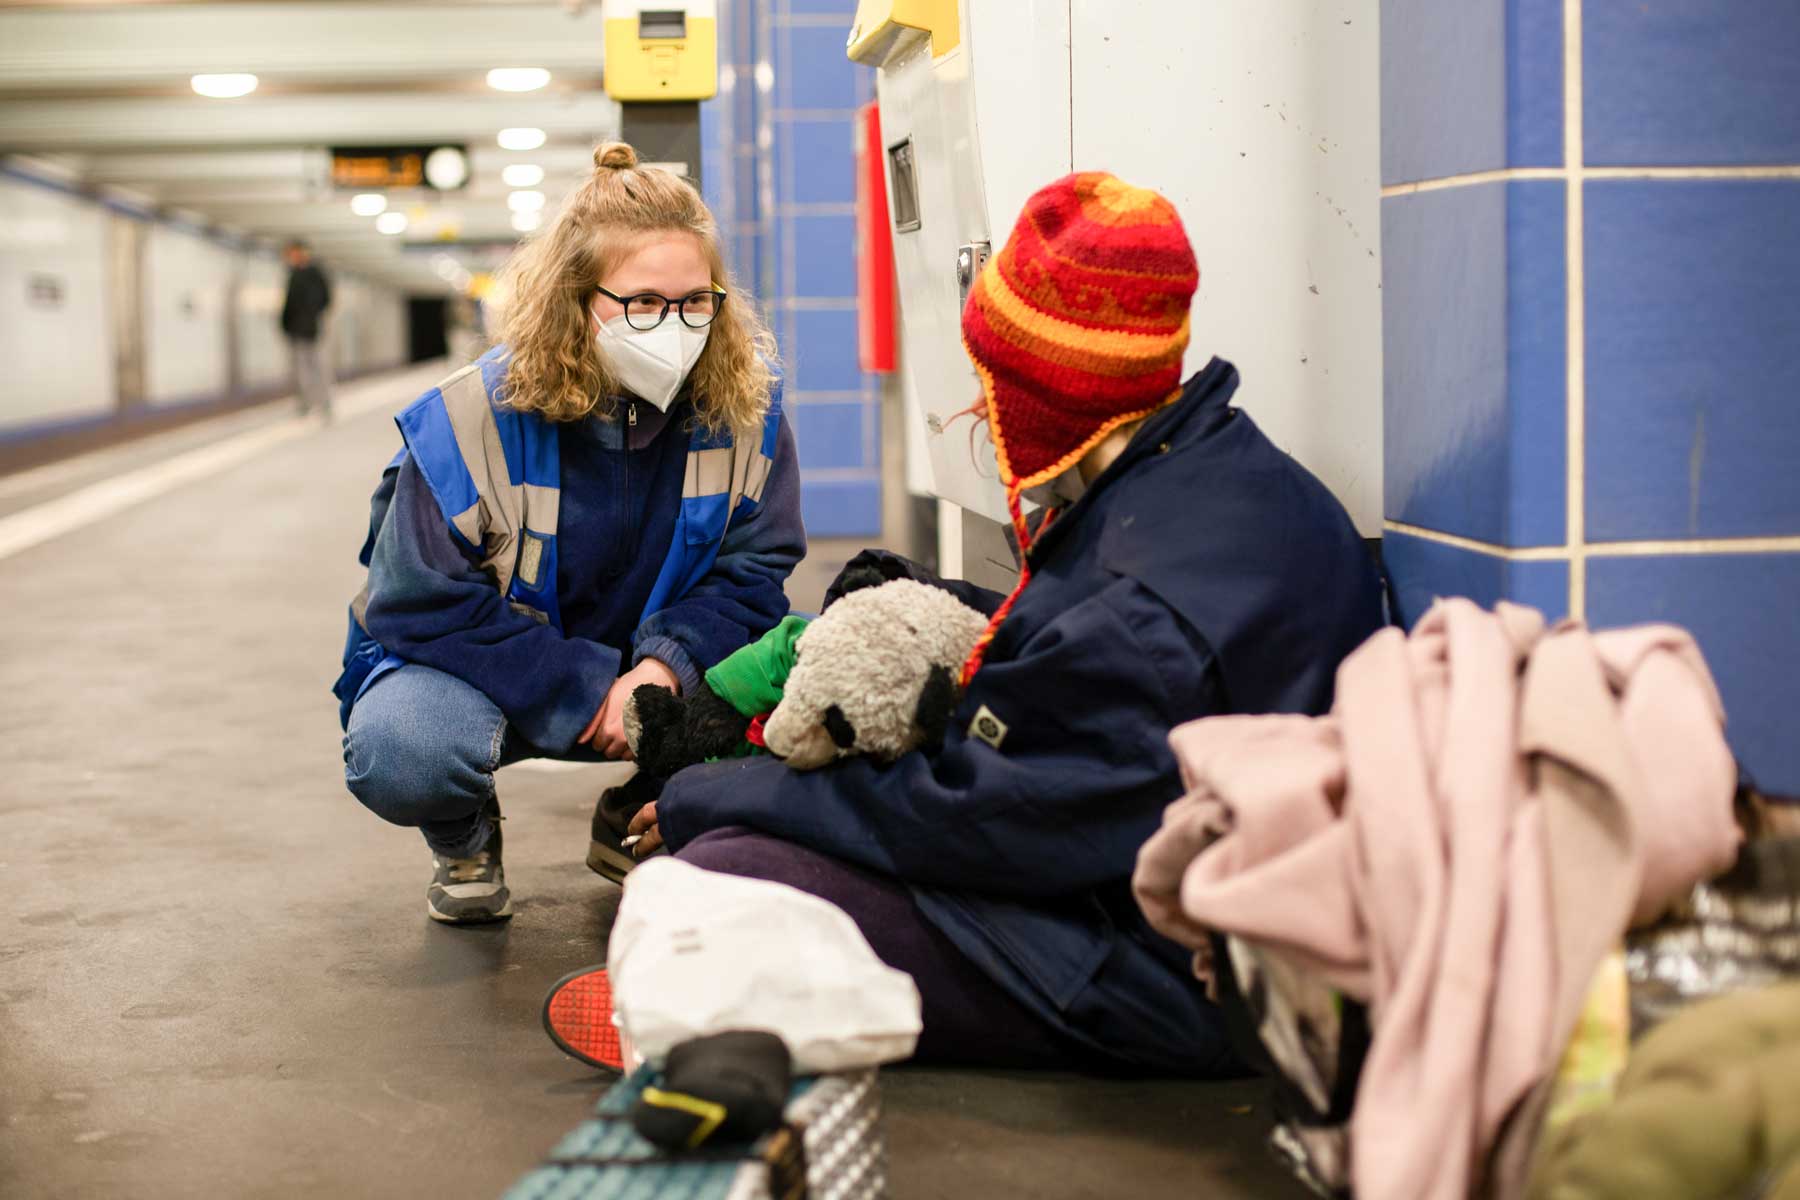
pixel 187 297
pixel 55 337
pixel 198 298
pixel 262 355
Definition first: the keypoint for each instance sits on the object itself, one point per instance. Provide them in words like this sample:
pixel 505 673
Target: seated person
pixel 545 542
pixel 1187 567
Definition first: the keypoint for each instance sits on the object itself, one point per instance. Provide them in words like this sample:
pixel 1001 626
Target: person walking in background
pixel 302 315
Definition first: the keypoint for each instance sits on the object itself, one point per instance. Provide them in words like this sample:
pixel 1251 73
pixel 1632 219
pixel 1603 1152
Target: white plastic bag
pixel 695 952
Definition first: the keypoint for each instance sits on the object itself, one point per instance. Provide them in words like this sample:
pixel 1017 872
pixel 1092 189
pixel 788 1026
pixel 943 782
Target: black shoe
pixel 607 855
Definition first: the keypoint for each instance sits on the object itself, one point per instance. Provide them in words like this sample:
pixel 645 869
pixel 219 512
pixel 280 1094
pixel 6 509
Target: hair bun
pixel 615 156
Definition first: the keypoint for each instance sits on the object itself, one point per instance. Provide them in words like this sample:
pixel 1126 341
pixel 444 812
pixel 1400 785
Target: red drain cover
pixel 578 1016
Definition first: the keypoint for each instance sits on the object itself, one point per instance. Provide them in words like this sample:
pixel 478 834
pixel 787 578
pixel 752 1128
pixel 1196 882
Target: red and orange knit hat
pixel 1076 327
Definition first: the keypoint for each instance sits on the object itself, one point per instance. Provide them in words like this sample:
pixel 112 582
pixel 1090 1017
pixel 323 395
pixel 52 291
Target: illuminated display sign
pixel 367 168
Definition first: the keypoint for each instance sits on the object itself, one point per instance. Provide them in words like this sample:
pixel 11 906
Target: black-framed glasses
pixel 646 310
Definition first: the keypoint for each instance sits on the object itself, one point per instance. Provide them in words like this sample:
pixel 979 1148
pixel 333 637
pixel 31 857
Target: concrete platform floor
pixel 216 974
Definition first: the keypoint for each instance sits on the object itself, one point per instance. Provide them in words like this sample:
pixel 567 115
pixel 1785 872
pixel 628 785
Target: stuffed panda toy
pixel 875 674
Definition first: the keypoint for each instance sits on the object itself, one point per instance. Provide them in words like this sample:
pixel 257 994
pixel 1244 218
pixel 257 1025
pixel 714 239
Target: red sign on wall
pixel 874 248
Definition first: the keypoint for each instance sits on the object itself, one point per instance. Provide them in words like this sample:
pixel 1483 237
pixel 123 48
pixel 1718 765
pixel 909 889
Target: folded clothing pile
pixel 1455 853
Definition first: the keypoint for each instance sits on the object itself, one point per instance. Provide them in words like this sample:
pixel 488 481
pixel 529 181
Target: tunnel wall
pixel 208 310
pixel 1591 244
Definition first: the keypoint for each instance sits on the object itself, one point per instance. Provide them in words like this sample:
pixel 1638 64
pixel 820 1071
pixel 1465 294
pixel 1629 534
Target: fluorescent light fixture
pixel 368 204
pixel 525 201
pixel 521 139
pixel 446 168
pixel 391 223
pixel 525 222
pixel 517 79
pixel 522 175
pixel 224 87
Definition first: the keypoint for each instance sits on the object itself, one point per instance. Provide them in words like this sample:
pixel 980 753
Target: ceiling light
pixel 521 139
pixel 224 87
pixel 517 79
pixel 368 204
pixel 525 222
pixel 391 223
pixel 525 201
pixel 446 168
pixel 522 175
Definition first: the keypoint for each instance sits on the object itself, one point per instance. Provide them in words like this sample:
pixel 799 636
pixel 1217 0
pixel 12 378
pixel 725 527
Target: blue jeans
pixel 421 750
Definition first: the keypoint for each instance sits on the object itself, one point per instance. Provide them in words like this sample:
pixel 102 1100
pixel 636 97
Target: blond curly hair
pixel 555 367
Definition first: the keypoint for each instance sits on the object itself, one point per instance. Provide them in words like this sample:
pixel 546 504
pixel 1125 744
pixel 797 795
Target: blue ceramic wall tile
pixel 829 433
pixel 1474 333
pixel 1534 83
pixel 1740 608
pixel 1541 585
pixel 1423 570
pixel 821 351
pixel 821 167
pixel 841 508
pixel 1691 82
pixel 822 254
pixel 1443 88
pixel 813 70
pixel 1693 318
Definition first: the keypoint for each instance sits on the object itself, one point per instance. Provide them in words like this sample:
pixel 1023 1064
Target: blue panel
pixel 713 152
pixel 821 352
pixel 1693 302
pixel 1740 608
pixel 1423 570
pixel 817 73
pixel 1541 585
pixel 1691 82
pixel 841 508
pixel 823 168
pixel 1443 88
pixel 823 254
pixel 845 8
pixel 1537 362
pixel 829 433
pixel 1474 333
pixel 1534 83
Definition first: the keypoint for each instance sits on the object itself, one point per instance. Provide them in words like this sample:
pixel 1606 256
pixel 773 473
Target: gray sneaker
pixel 465 891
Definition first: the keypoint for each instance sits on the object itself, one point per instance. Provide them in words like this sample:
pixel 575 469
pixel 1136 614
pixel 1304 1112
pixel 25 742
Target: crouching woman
pixel 608 499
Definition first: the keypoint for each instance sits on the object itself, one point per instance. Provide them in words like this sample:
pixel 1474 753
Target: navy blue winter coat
pixel 1204 572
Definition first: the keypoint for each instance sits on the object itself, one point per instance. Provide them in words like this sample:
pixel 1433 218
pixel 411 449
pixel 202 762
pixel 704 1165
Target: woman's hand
pixel 648 833
pixel 606 732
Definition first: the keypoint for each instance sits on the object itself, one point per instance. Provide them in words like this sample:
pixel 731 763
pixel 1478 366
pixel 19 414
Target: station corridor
pixel 219 978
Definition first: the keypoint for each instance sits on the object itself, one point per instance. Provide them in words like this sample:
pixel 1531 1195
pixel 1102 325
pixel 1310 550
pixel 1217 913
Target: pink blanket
pixel 1485 811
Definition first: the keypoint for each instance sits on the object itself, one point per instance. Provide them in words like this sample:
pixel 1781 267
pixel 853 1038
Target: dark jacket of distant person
pixel 308 296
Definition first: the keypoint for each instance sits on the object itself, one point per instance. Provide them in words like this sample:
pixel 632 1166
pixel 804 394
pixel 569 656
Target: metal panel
pixel 1261 123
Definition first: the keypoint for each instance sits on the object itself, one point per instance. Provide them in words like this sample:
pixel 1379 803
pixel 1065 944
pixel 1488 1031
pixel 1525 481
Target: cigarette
pixel 631 841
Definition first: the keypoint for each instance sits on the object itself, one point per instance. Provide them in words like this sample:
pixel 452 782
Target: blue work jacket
pixel 466 580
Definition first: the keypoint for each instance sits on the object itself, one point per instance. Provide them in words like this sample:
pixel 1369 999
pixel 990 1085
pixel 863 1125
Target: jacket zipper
pixel 622 543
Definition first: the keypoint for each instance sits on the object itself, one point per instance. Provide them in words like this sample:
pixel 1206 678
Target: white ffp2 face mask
pixel 652 363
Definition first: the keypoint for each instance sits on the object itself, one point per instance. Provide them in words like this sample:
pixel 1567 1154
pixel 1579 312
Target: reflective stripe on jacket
pixel 493 472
